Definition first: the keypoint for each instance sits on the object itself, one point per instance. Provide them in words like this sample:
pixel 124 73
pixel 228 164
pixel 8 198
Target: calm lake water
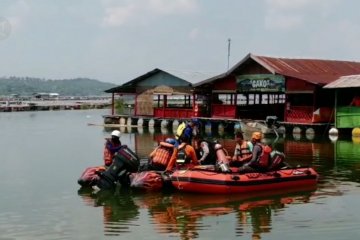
pixel 44 153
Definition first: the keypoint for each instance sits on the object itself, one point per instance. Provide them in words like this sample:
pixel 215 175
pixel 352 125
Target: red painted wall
pixel 293 84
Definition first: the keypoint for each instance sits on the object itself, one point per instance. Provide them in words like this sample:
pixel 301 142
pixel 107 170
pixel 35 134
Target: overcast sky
pixel 118 40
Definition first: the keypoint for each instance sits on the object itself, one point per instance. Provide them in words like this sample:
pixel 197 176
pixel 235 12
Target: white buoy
pixel 297 130
pixel 122 121
pixel 140 122
pixel 237 127
pixel 164 123
pixel 333 131
pixel 151 130
pixel 281 130
pixel 221 129
pixel 151 123
pixel 333 138
pixel 122 129
pixel 164 130
pixel 175 124
pixel 128 122
pixel 310 133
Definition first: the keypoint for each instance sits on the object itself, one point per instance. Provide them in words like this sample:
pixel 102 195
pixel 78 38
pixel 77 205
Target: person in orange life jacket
pixel 112 145
pixel 184 152
pixel 260 158
pixel 243 151
pixel 160 157
pixel 205 151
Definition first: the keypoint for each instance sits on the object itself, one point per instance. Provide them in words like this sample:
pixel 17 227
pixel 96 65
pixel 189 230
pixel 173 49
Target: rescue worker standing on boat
pixel 112 145
pixel 186 130
pixel 260 155
pixel 183 153
pixel 243 151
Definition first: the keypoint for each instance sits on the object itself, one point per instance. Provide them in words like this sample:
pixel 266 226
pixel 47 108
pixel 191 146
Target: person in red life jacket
pixel 260 156
pixel 112 145
pixel 243 151
pixel 205 151
pixel 160 157
pixel 183 153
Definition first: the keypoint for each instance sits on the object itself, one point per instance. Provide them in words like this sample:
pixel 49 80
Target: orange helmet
pixel 256 135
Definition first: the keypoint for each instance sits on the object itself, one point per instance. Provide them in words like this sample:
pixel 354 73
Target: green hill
pixel 26 86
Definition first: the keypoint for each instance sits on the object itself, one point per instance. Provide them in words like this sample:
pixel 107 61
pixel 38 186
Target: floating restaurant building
pixel 347 103
pixel 292 90
pixel 158 94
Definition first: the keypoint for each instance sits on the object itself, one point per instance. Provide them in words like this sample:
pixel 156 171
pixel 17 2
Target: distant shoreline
pixel 52 105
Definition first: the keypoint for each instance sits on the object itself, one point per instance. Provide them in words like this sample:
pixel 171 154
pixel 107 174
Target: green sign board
pixel 260 83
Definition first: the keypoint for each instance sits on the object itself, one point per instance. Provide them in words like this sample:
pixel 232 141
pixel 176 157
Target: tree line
pixel 26 86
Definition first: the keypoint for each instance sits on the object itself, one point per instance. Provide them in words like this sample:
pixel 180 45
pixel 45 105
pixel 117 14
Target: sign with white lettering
pixel 260 83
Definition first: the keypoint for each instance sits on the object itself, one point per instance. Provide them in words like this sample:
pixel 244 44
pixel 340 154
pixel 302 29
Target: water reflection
pixel 188 216
pixel 119 209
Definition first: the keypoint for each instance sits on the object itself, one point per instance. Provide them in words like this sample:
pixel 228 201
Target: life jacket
pixel 264 158
pixel 180 130
pixel 244 149
pixel 163 154
pixel 182 157
pixel 109 151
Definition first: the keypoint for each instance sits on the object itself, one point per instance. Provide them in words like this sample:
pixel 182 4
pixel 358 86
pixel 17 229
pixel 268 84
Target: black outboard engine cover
pixel 125 161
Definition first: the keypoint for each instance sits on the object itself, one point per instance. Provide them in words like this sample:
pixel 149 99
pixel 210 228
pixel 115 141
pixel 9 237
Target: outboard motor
pixel 125 161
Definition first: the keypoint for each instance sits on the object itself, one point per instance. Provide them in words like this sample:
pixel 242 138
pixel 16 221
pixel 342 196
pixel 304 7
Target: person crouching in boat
pixel 184 154
pixel 160 157
pixel 112 145
pixel 205 151
pixel 243 151
pixel 259 161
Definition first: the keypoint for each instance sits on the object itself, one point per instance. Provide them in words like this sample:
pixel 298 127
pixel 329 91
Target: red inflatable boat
pixel 202 179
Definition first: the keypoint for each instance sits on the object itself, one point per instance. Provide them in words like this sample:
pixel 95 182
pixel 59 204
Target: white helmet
pixel 116 133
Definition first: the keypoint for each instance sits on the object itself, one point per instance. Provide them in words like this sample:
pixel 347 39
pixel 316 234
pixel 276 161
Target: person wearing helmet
pixel 112 145
pixel 187 130
pixel 260 155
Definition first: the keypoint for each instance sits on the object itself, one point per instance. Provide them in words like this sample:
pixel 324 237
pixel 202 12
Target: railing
pixel 224 111
pixel 173 113
pixel 299 114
